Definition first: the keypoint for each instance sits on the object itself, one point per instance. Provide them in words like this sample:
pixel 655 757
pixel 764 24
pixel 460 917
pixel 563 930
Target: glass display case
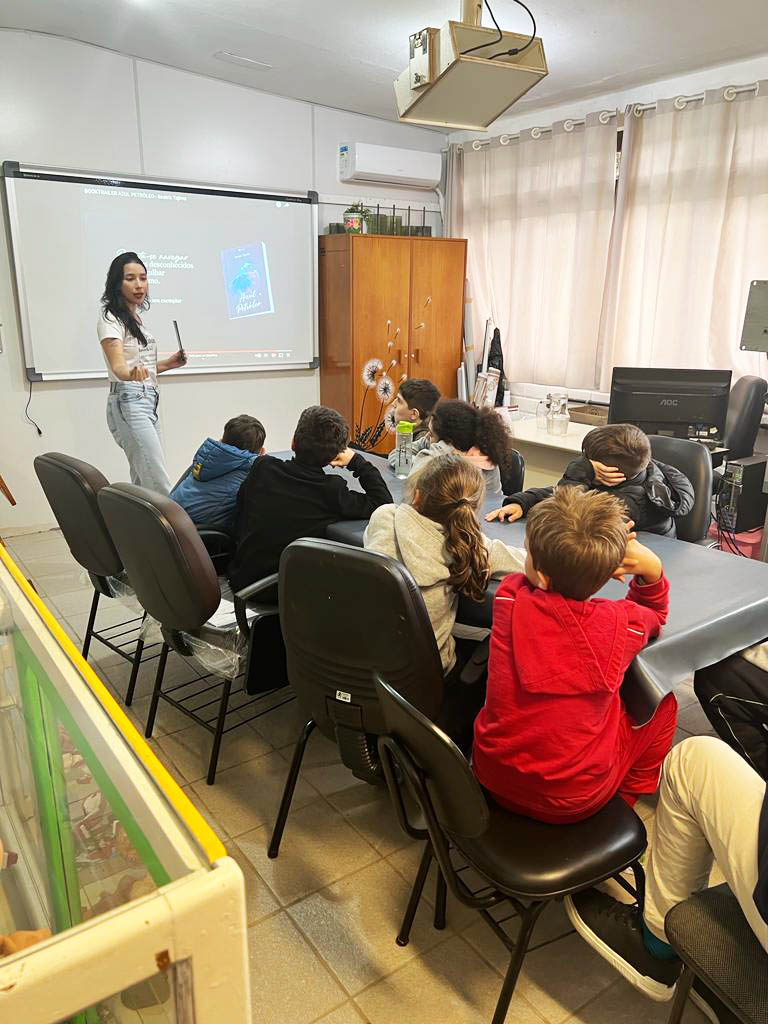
pixel 117 901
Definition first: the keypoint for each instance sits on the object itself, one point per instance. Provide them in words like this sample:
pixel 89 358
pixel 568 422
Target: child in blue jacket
pixel 208 492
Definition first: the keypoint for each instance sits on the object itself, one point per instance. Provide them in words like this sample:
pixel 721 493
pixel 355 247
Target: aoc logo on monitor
pixel 670 402
pixel 246 279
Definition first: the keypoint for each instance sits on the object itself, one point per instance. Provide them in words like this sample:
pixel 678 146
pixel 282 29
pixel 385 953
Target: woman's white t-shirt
pixel 135 353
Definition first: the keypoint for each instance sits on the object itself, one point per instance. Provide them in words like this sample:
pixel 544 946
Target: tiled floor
pixel 323 917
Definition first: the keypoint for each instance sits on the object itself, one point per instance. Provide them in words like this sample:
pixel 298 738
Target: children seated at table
pixel 554 740
pixel 281 501
pixel 478 435
pixel 415 401
pixel 208 492
pixel 617 458
pixel 436 535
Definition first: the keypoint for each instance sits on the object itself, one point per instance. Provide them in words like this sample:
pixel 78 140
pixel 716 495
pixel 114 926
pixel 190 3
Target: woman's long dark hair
pixel 464 427
pixel 113 301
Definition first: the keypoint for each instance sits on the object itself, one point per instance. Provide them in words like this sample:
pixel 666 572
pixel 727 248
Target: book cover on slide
pixel 246 279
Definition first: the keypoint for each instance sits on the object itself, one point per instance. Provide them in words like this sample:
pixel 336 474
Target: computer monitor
pixel 675 403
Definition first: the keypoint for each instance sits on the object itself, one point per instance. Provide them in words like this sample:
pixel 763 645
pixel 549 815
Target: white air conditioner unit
pixel 410 168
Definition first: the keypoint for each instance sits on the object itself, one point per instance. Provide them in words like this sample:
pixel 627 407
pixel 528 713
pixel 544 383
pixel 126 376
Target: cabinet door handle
pixel 418 327
pixel 416 354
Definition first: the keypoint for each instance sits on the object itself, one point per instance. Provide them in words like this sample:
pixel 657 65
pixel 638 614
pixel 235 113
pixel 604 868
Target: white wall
pixel 68 104
pixel 739 73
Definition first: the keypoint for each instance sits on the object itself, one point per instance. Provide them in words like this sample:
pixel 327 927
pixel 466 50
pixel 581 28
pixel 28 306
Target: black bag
pixel 734 696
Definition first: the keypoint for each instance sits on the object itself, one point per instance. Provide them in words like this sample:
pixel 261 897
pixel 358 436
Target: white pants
pixel 709 808
pixel 132 421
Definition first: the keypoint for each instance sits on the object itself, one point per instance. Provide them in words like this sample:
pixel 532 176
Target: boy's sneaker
pixel 615 931
pixel 710 1005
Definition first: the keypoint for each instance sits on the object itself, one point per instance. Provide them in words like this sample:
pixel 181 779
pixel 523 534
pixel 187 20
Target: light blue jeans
pixel 132 421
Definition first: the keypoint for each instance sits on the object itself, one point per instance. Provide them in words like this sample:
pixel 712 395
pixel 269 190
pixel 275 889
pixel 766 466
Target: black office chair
pixel 345 611
pixel 525 863
pixel 710 934
pixel 72 487
pixel 746 406
pixel 176 582
pixel 692 459
pixel 513 476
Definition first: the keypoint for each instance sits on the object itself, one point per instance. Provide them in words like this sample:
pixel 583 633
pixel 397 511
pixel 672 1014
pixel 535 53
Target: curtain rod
pixel 568 125
pixel 729 93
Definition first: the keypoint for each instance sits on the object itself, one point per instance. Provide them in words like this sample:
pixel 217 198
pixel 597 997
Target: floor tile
pixel 215 824
pixel 248 796
pixel 694 721
pixel 685 695
pixel 551 926
pixel 110 613
pixel 448 985
pixel 259 901
pixel 318 848
pixel 288 982
pixel 56 575
pixel 190 749
pixel 167 720
pixel 346 1014
pixel 72 602
pixel 623 1004
pixel 353 925
pixel 561 978
pixel 370 810
pixel 282 727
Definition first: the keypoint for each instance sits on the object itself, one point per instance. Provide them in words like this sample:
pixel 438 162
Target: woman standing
pixel 130 352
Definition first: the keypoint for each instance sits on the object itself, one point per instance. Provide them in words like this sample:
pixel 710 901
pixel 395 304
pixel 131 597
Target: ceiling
pixel 346 53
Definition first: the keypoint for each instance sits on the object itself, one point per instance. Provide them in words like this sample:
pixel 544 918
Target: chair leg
pixel 217 736
pixel 527 923
pixel 441 891
pixel 290 785
pixel 639 873
pixel 682 989
pixel 413 903
pixel 156 691
pixel 134 672
pixel 89 627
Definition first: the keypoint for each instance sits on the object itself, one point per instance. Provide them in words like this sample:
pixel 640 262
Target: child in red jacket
pixel 554 740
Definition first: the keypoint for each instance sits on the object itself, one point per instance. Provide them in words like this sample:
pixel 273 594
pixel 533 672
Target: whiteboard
pixel 236 268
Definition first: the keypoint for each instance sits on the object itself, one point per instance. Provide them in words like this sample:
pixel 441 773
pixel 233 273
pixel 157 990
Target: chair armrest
pixel 256 588
pixel 219 545
pixel 242 597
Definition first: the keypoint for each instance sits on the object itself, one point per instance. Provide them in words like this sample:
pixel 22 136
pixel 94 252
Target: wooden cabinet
pixel 390 308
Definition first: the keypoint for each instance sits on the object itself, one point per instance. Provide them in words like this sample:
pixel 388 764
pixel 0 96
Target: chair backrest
pixel 344 613
pixel 166 561
pixel 746 405
pixel 456 796
pixel 694 460
pixel 513 478
pixel 72 489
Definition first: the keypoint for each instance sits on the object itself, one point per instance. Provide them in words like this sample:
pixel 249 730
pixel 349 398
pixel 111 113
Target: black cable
pixel 493 42
pixel 26 412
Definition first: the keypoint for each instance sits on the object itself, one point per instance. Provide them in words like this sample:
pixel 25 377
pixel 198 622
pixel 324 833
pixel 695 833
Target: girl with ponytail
pixel 436 535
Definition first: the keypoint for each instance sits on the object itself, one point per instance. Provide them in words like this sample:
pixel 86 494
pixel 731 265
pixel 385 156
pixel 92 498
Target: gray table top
pixel 718 603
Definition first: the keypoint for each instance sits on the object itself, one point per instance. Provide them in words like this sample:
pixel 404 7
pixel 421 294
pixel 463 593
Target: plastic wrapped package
pixel 219 649
pixel 123 592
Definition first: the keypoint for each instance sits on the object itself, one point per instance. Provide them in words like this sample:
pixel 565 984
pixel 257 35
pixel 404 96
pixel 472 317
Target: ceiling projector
pixel 465 76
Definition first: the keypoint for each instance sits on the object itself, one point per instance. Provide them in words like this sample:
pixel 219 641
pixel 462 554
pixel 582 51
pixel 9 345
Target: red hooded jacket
pixel 549 736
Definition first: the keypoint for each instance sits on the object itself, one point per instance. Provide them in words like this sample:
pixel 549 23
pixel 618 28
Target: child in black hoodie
pixel 617 458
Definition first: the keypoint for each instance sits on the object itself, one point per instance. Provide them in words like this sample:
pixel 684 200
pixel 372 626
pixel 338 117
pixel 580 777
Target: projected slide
pixel 236 272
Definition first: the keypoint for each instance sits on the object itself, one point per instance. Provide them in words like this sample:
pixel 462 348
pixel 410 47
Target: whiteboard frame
pixel 13 170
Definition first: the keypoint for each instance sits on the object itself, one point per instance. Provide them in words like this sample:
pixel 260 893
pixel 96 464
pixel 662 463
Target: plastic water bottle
pixel 404 449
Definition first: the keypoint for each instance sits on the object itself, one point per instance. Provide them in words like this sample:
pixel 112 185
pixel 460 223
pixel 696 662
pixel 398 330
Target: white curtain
pixel 451 191
pixel 537 213
pixel 691 232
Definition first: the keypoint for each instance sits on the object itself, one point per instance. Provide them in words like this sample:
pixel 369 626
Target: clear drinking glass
pixel 557 417
pixel 542 410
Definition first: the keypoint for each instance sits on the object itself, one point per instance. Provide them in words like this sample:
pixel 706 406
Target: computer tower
pixel 742 502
